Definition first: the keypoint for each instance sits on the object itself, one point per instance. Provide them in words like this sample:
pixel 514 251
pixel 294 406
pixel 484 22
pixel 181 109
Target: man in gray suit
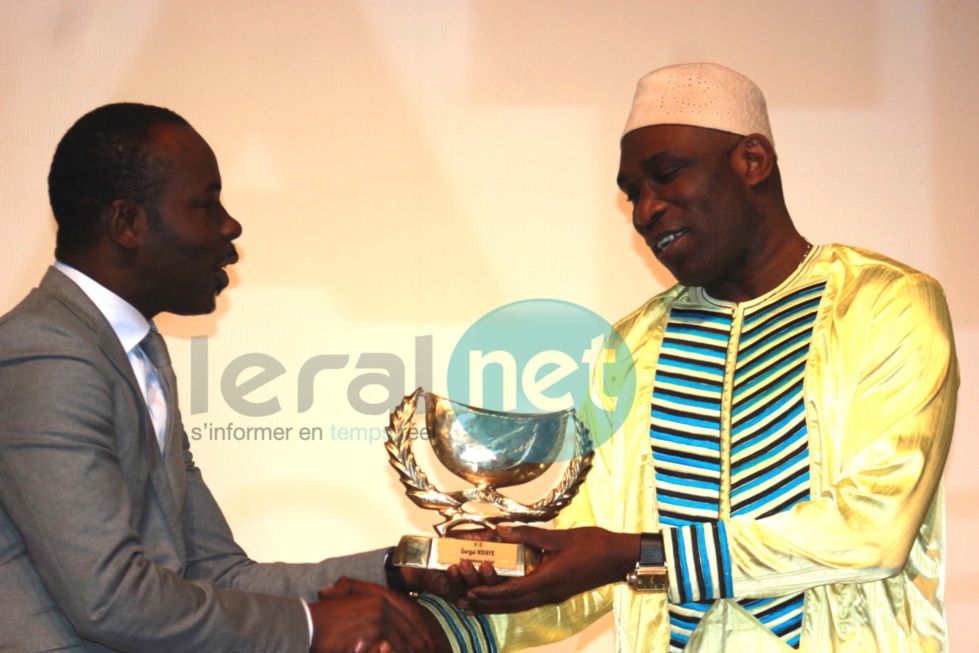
pixel 109 538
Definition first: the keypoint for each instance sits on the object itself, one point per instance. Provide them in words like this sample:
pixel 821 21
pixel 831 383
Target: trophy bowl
pixel 489 449
pixel 493 449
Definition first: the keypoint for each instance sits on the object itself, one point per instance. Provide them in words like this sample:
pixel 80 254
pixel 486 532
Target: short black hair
pixel 104 156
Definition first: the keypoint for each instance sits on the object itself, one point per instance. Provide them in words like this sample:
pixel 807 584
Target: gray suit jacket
pixel 105 545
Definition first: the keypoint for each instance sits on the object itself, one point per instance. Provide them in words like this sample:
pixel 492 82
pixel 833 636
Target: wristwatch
pixel 395 580
pixel 650 574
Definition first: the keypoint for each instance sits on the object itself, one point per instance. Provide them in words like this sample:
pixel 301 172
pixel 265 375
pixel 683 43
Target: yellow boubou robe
pixel 868 547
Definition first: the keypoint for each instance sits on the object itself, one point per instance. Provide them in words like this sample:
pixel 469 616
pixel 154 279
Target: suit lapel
pixel 75 300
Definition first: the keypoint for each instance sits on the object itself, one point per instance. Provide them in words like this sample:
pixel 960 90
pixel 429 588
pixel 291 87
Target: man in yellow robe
pixel 780 470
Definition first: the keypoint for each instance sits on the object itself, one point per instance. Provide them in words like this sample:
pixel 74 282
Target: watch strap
pixel 651 552
pixel 393 575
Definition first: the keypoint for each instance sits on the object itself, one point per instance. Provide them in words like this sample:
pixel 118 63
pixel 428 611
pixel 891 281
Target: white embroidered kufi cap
pixel 700 95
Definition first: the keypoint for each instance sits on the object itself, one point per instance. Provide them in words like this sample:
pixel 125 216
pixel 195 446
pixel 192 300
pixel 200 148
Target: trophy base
pixel 442 552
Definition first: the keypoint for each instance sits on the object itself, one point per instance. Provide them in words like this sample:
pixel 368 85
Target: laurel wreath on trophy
pixel 451 505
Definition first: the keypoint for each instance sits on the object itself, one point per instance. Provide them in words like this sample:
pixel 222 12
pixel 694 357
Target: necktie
pixel 159 382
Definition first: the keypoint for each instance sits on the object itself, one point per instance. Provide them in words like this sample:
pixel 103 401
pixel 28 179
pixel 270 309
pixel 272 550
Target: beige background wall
pixel 401 168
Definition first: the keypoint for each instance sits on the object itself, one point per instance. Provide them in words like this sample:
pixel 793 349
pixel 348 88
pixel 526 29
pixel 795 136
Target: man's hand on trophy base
pixel 356 616
pixel 453 583
pixel 575 561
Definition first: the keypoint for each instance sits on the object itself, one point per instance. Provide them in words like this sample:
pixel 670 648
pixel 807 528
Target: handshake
pixel 356 616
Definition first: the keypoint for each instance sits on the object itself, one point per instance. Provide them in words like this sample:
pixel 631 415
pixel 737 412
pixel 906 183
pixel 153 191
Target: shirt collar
pixel 129 324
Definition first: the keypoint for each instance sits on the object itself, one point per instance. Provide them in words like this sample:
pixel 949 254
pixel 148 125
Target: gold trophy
pixel 491 450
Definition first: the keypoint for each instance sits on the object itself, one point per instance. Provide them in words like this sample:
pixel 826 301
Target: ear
pixel 123 223
pixel 754 159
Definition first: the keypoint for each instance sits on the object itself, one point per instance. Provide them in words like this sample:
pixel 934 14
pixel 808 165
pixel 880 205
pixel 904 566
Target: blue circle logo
pixel 544 356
